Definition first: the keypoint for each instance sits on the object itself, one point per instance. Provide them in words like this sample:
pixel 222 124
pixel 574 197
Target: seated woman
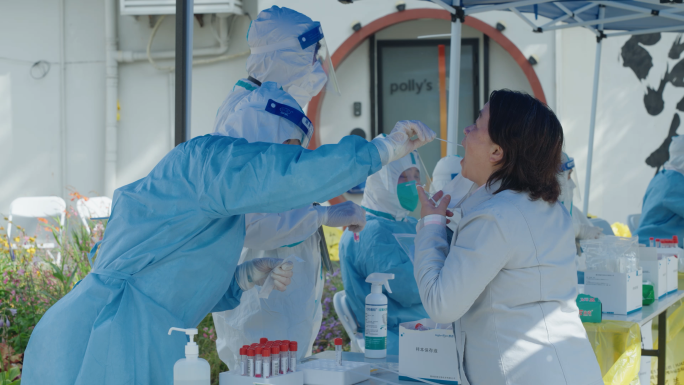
pixel 389 198
pixel 508 276
pixel 662 215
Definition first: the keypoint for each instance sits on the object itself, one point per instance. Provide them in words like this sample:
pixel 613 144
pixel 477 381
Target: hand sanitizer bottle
pixel 376 316
pixel 191 370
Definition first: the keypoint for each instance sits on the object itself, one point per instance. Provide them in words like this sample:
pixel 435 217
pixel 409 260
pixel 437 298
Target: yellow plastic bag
pixel 332 238
pixel 617 345
pixel 621 230
pixel 674 356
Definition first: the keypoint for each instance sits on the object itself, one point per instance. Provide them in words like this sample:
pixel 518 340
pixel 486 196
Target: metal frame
pixel 184 25
pixel 662 347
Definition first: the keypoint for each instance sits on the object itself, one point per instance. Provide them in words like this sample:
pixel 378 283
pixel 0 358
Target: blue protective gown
pixel 662 214
pixel 377 251
pixel 169 254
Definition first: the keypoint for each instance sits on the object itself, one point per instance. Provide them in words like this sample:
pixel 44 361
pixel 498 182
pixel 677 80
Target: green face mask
pixel 408 195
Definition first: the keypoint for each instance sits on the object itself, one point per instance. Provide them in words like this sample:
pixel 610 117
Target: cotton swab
pixel 440 139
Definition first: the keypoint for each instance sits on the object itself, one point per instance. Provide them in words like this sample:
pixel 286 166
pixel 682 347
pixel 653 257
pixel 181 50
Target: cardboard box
pixel 672 256
pixel 429 354
pixel 589 308
pixel 620 293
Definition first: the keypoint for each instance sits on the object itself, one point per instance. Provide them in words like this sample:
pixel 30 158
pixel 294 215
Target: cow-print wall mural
pixel 638 59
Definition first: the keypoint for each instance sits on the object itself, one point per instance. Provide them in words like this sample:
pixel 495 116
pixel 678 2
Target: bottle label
pixel 283 365
pixel 276 366
pixel 376 327
pixel 243 368
pixel 257 367
pixel 267 369
pixel 293 364
pixel 250 367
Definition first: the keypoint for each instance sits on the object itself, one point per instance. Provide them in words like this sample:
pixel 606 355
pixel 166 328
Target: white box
pixel 672 256
pixel 429 354
pixel 620 293
pixel 327 372
pixel 232 378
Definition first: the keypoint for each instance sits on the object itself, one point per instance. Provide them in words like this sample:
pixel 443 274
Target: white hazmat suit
pixel 295 314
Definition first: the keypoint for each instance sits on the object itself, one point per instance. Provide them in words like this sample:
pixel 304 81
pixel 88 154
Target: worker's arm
pixel 231 299
pixel 450 280
pixel 235 177
pixel 271 231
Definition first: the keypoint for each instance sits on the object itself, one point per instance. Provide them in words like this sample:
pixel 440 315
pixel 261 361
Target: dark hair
pixel 532 140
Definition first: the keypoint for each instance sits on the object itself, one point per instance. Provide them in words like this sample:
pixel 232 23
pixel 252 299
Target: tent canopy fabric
pixel 620 15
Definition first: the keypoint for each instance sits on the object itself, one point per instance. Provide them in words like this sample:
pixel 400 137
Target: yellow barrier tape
pixel 617 345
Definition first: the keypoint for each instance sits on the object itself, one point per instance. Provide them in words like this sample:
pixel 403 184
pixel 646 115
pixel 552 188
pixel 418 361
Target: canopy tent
pixel 605 18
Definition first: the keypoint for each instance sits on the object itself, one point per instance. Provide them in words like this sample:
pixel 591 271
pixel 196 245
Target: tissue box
pixel 620 293
pixel 589 308
pixel 429 354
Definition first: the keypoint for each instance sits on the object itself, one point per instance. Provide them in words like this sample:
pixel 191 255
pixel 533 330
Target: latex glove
pixel 590 232
pixel 398 143
pixel 256 271
pixel 346 214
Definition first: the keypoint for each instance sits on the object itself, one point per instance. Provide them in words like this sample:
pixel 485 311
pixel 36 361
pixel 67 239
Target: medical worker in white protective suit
pixel 278 60
pixel 567 179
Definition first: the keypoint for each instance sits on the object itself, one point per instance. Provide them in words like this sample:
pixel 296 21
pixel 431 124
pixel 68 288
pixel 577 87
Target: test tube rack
pixel 231 378
pixel 328 372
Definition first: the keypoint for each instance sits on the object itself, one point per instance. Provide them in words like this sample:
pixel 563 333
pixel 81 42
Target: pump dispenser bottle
pixel 191 370
pixel 376 316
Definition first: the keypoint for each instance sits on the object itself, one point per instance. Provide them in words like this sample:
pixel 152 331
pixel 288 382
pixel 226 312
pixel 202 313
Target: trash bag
pixel 332 238
pixel 617 345
pixel 621 230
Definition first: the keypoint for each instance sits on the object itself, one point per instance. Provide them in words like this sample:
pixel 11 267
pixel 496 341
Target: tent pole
pixel 184 25
pixel 454 81
pixel 594 102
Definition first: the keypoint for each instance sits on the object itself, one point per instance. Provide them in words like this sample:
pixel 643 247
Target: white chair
pixel 633 223
pixel 39 207
pixel 95 208
pixel 347 319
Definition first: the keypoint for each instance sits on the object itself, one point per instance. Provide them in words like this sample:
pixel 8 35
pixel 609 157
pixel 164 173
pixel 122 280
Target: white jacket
pixel 510 278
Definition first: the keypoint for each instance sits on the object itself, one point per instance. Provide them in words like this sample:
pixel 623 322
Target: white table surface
pixel 648 313
pixel 379 377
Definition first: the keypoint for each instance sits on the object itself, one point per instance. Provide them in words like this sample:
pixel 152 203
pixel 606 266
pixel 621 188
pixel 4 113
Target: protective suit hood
pixel 238 119
pixel 446 169
pixel 381 187
pixel 676 162
pixel 292 67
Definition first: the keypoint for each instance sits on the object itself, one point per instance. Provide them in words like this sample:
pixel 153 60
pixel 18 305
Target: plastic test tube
pixel 338 351
pixel 284 357
pixel 258 363
pixel 243 361
pixel 266 358
pixel 263 340
pixel 651 241
pixel 251 353
pixel 657 242
pixel 293 356
pixel 275 360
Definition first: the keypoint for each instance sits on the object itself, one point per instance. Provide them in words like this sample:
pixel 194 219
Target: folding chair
pixel 348 322
pixel 39 207
pixel 96 208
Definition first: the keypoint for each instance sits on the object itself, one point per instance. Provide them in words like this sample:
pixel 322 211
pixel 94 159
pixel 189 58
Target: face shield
pixel 321 54
pixel 304 125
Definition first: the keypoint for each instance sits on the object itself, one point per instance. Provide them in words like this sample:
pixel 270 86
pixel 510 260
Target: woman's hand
pixel 429 208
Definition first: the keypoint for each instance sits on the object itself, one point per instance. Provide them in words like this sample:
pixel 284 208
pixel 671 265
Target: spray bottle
pixel 376 316
pixel 191 370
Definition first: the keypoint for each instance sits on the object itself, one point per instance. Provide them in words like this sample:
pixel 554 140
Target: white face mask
pixel 310 87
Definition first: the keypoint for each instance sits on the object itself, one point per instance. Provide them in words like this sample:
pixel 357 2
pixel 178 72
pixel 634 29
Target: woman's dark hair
pixel 532 140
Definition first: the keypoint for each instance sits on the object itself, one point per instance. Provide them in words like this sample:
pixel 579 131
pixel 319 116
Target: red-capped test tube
pixel 293 356
pixel 658 242
pixel 262 340
pixel 275 360
pixel 338 351
pixel 258 363
pixel 251 353
pixel 651 241
pixel 266 358
pixel 284 357
pixel 243 361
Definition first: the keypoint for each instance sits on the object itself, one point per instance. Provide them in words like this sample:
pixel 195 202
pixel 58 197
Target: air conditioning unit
pixel 168 7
